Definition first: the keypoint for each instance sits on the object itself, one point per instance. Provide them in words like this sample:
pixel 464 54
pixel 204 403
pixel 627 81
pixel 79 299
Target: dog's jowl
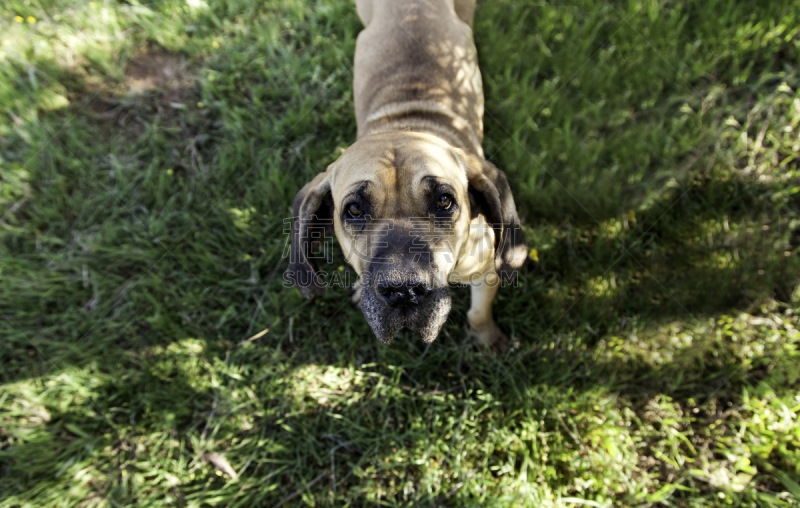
pixel 413 202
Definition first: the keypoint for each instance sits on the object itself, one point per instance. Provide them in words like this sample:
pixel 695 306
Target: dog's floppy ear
pixel 490 195
pixel 312 218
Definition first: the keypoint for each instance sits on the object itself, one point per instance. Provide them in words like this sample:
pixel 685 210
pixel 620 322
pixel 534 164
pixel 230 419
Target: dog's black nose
pixel 405 293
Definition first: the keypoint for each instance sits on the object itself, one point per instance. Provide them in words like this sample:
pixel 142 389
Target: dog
pixel 413 202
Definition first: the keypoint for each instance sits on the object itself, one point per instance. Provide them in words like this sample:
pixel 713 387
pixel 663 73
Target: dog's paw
pixel 490 336
pixel 355 291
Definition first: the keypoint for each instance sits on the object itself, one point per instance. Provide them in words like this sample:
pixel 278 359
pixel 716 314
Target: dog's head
pixel 412 214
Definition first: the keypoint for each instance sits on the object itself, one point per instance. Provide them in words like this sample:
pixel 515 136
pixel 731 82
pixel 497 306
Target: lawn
pixel 150 354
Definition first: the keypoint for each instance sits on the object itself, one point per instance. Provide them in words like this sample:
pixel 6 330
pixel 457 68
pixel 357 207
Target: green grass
pixel 652 146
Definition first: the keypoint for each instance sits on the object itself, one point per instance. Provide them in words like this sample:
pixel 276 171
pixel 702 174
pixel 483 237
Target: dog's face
pixel 411 214
pixel 401 211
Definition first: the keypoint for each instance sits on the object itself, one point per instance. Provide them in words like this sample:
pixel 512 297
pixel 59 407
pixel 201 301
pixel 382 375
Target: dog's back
pixel 416 68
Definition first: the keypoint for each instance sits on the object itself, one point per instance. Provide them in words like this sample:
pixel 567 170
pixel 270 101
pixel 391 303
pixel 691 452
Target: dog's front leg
pixel 487 333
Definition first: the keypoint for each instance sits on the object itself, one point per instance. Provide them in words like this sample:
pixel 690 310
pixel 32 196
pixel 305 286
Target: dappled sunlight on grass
pixel 329 386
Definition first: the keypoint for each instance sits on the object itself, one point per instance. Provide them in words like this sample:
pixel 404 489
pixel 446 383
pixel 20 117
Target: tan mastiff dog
pixel 413 202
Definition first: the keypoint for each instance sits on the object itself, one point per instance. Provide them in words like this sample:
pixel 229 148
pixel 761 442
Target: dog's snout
pixel 405 293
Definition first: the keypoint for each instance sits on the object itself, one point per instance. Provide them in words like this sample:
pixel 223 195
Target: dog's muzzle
pixel 402 294
pixel 393 299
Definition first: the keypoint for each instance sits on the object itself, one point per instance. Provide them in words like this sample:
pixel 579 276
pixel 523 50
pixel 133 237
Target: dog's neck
pixel 421 116
pixel 416 69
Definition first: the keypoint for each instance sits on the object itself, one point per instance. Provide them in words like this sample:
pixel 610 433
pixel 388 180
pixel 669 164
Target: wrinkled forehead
pixel 387 166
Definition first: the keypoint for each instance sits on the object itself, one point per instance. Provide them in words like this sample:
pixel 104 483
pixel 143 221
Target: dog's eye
pixel 355 210
pixel 444 201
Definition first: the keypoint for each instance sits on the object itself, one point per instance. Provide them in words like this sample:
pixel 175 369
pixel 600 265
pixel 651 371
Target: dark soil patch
pixel 161 73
